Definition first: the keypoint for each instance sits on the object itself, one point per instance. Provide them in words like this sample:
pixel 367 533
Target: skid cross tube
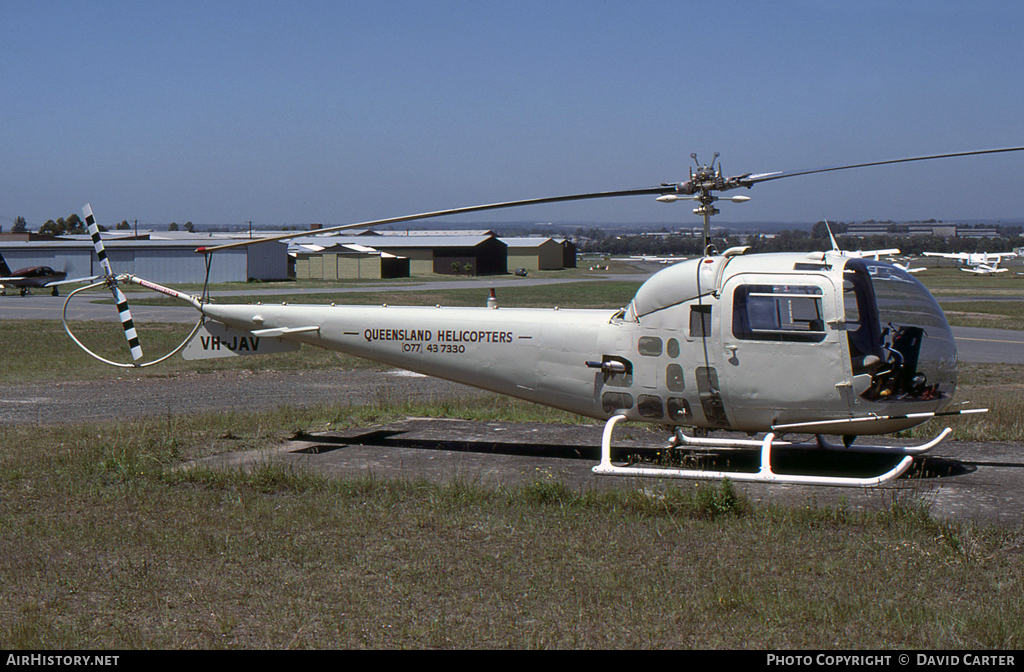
pixel 764 473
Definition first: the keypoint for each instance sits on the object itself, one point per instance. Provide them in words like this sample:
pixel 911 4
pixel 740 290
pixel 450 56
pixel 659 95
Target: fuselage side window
pixel 778 313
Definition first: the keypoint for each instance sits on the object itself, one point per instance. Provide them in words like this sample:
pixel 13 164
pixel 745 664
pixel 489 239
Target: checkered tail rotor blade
pixel 119 298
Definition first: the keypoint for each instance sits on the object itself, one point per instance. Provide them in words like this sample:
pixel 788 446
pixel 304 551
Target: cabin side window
pixel 649 346
pixel 778 313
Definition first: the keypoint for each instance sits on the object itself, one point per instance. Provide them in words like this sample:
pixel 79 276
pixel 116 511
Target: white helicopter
pixel 774 344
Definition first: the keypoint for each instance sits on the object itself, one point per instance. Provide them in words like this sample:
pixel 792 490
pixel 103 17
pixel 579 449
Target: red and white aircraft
pixel 34 277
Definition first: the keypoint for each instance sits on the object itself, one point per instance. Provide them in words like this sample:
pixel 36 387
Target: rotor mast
pixel 707 179
pixel 701 188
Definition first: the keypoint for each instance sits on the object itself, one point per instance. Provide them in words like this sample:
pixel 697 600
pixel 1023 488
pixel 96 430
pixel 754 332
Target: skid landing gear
pixel 764 474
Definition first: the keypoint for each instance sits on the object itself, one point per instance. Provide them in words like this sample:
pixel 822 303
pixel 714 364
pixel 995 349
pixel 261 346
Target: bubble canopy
pixel 906 331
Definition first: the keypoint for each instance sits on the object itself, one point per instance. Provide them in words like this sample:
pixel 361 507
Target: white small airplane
pixel 973 258
pixel 656 260
pixel 858 254
pixel 906 267
pixel 985 269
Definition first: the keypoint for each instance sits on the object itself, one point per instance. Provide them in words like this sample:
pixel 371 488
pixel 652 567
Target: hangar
pixel 568 252
pixel 447 255
pixel 428 252
pixel 535 254
pixel 346 262
pixel 168 261
pixel 442 254
pixel 363 255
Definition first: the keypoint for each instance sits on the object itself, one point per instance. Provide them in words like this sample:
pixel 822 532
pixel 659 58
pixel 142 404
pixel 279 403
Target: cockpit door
pixel 783 358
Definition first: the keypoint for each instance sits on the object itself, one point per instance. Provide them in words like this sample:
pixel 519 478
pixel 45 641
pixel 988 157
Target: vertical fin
pixel 835 245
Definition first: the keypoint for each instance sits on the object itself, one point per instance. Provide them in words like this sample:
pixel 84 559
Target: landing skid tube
pixel 764 473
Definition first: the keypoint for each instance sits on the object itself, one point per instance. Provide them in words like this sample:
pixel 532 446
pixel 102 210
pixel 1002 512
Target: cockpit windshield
pixel 897 334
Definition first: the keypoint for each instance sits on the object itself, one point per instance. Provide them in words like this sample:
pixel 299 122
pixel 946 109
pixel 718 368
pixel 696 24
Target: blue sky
pixel 336 112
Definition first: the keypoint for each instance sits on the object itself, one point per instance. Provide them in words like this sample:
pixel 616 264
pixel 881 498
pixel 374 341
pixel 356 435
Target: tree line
pixel 796 240
pixel 73 225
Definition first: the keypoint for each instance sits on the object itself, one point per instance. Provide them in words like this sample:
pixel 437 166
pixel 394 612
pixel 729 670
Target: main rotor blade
pixel 767 177
pixel 745 180
pixel 645 191
pixel 127 323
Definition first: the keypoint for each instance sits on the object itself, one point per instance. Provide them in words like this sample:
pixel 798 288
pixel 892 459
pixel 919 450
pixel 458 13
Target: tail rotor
pixel 111 281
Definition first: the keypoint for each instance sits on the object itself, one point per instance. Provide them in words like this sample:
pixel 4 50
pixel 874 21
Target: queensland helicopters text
pixel 772 344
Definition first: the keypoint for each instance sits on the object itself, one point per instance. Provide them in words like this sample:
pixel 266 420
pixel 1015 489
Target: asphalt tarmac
pixel 989 346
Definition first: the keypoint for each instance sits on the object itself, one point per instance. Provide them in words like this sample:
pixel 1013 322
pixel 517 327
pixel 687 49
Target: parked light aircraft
pixel 774 344
pixel 985 269
pixel 35 277
pixel 906 267
pixel 858 254
pixel 973 258
pixel 657 260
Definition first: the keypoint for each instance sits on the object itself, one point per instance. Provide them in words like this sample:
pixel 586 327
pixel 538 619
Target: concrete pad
pixel 979 482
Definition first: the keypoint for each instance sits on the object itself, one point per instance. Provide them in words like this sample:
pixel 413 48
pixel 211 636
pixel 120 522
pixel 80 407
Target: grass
pixel 988 314
pixel 946 280
pixel 107 545
pixel 997 387
pixel 59 354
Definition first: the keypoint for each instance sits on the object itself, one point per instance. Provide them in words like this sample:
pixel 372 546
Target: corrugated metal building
pixel 347 262
pixel 569 252
pixel 166 261
pixel 534 254
pixel 447 255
